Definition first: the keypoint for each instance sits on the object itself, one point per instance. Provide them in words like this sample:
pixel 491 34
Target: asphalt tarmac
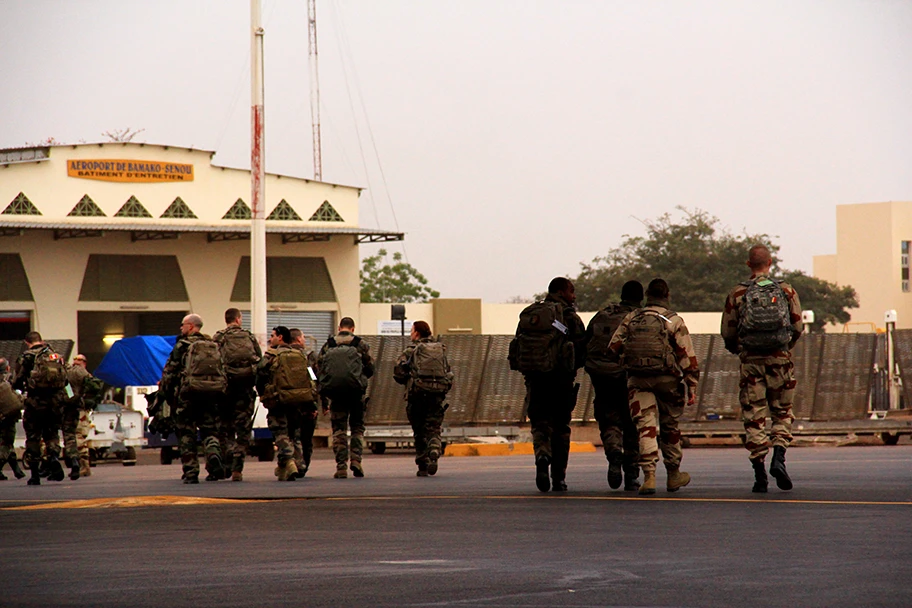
pixel 477 534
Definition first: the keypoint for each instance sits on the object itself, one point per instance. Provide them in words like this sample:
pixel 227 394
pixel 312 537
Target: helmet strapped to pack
pixel 647 349
pixel 541 343
pixel 341 368
pixel 764 320
pixel 429 369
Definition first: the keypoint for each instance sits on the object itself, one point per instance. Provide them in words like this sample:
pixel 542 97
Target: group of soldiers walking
pixel 644 371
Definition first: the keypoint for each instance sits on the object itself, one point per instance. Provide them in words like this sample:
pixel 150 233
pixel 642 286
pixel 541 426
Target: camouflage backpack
pixel 239 357
pixel 599 360
pixel 647 349
pixel 290 382
pixel 341 368
pixel 49 372
pixel 541 344
pixel 764 322
pixel 204 374
pixel 429 368
pixel 92 392
pixel 10 401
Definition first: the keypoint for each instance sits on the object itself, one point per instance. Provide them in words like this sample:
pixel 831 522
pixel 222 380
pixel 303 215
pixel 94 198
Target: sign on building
pixel 393 328
pixel 113 170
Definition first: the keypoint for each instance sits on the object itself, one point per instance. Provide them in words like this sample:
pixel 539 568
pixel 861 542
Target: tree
pixel 396 282
pixel 122 135
pixel 701 263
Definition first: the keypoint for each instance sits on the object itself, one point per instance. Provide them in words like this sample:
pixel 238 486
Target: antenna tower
pixel 314 88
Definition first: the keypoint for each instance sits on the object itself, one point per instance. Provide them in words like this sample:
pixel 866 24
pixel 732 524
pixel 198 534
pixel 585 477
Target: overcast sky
pixel 517 139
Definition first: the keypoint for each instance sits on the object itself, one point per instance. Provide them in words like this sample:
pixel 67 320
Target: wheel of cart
pixel 129 456
pixel 377 447
pixel 167 455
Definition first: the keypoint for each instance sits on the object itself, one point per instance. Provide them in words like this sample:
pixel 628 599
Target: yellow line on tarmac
pixel 128 502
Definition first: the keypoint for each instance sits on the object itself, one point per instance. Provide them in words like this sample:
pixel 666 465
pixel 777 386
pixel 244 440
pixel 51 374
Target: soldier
pixel 549 348
pixel 423 369
pixel 8 422
pixel 76 423
pixel 240 354
pixel 612 409
pixel 345 367
pixel 194 378
pixel 301 429
pixel 284 384
pixel 761 323
pixel 41 374
pixel 662 373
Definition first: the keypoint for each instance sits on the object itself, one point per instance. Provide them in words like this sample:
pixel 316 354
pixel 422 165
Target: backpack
pixel 341 369
pixel 48 371
pixel 541 343
pixel 290 382
pixel 239 357
pixel 10 401
pixel 92 392
pixel 204 373
pixel 764 319
pixel 429 368
pixel 647 349
pixel 602 326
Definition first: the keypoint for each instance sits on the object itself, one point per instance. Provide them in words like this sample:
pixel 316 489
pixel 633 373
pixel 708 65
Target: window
pixel 326 213
pixel 239 211
pixel 86 207
pixel 133 208
pixel 21 205
pixel 179 210
pixel 284 211
pixel 288 279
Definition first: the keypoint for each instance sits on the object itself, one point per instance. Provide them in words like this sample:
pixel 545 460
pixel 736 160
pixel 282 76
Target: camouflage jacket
pixel 576 330
pixel 76 375
pixel 24 364
pixel 688 367
pixel 346 337
pixel 731 317
pixel 264 367
pixel 173 372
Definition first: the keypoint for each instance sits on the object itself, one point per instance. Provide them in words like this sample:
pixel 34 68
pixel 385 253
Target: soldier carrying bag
pixel 599 360
pixel 204 374
pixel 647 349
pixel 10 401
pixel 290 383
pixel 429 369
pixel 49 372
pixel 541 343
pixel 764 320
pixel 239 357
pixel 341 369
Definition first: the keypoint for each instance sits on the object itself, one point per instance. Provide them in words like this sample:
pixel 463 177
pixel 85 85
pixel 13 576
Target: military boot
pixel 34 467
pixel 615 463
pixel 649 483
pixel 2 476
pixel 677 479
pixel 356 468
pixel 761 481
pixel 341 471
pixel 237 476
pixel 777 469
pixel 291 470
pixel 215 468
pixel 74 468
pixel 55 469
pixel 631 481
pixel 542 475
pixel 433 457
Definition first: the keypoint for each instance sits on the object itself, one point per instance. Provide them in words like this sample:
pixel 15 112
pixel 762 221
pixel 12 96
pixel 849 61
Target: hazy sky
pixel 517 139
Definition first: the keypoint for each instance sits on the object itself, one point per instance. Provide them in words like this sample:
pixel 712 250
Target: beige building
pixel 872 255
pixel 99 241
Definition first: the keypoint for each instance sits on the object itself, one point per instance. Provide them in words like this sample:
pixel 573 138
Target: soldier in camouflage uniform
pixel 76 418
pixel 347 407
pixel 620 438
pixel 236 409
pixel 41 417
pixel 192 414
pixel 552 397
pixel 8 430
pixel 767 379
pixel 425 410
pixel 302 428
pixel 278 415
pixel 657 397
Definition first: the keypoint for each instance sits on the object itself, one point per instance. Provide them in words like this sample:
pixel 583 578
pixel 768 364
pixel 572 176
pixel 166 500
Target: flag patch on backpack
pixel 48 372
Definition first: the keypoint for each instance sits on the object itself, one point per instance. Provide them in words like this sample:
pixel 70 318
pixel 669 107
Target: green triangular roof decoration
pixel 21 205
pixel 179 210
pixel 326 213
pixel 86 207
pixel 239 211
pixel 283 211
pixel 133 208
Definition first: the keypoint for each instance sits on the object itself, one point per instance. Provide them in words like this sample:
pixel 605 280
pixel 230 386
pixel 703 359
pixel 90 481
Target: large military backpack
pixel 541 343
pixel 599 360
pixel 291 383
pixel 204 374
pixel 239 357
pixel 10 401
pixel 49 372
pixel 429 368
pixel 647 349
pixel 764 321
pixel 341 369
pixel 92 392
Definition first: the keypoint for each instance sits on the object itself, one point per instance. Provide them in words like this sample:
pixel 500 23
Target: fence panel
pixel 844 380
pixel 719 393
pixel 466 355
pixel 502 392
pixel 387 402
pixel 902 350
pixel 806 358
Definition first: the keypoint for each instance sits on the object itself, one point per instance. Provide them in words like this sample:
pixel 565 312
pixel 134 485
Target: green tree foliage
pixel 701 263
pixel 396 282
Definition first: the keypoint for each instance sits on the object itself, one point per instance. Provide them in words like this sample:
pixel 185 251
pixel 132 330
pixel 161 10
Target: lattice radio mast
pixel 314 88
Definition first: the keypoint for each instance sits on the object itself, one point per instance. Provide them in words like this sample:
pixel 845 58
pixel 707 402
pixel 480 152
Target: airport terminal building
pixel 100 241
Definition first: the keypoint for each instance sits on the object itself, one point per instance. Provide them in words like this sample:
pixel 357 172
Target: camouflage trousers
pixel 550 408
pixel 7 437
pixel 767 389
pixel 347 411
pixel 192 416
pixel 656 404
pixel 277 419
pixel 302 432
pixel 235 419
pixel 83 427
pixel 70 417
pixel 41 421
pixel 425 414
pixel 612 412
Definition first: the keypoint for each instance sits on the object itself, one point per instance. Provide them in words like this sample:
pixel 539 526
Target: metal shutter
pixel 319 325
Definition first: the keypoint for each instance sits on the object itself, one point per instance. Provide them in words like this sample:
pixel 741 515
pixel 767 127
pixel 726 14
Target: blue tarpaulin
pixel 136 361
